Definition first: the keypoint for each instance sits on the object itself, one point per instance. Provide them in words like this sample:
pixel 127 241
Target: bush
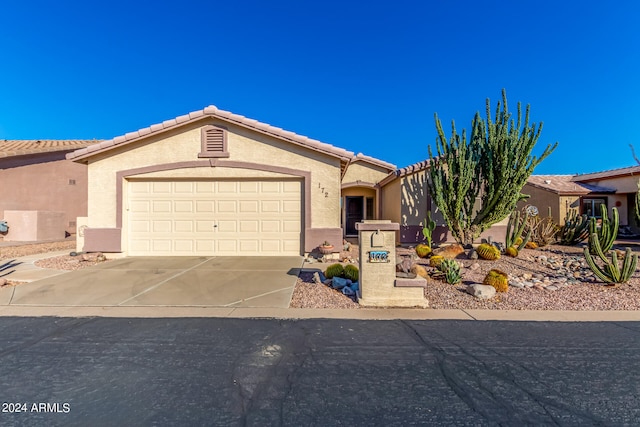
pixel 334 270
pixel 351 272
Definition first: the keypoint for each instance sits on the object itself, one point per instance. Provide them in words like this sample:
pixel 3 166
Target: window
pixel 369 208
pixel 214 142
pixel 591 207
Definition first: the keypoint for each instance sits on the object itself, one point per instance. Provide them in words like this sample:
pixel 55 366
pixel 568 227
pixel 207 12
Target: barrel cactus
pixel 488 252
pixel 531 245
pixel 498 279
pixel 334 270
pixel 423 250
pixel 436 260
pixel 351 272
pixel 511 251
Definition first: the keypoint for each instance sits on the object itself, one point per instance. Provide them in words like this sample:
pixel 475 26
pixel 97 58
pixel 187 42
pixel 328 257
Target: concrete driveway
pixel 167 281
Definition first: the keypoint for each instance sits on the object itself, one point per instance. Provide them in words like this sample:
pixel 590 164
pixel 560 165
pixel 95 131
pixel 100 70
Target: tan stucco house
pixel 214 182
pixel 585 193
pixel 39 183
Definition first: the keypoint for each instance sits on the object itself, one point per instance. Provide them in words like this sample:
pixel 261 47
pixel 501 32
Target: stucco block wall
pixel 184 144
pixel 45 182
pixel 31 226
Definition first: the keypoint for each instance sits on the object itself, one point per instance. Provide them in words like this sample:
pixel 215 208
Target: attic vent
pixel 214 142
pixel 547 181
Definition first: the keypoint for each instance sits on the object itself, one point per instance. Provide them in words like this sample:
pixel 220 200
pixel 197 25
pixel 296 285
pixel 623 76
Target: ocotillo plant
pixel 612 272
pixel 427 230
pixel 515 227
pixel 608 229
pixel 574 230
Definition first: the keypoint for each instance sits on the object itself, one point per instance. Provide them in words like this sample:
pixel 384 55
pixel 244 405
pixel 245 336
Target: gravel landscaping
pixel 550 278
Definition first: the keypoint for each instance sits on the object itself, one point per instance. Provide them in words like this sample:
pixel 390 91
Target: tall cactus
pixel 608 229
pixel 493 166
pixel 611 272
pixel 515 228
pixel 574 230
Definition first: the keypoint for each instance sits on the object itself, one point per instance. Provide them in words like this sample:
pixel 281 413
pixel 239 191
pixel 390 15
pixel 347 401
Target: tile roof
pixel 22 147
pixel 566 185
pixel 611 173
pixel 368 159
pixel 214 112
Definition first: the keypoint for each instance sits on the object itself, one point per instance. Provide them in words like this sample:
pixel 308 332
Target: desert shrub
pixel 351 272
pixel 334 270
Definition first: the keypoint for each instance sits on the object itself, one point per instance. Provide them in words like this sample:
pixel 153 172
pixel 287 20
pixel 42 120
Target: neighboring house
pixel 585 193
pixel 213 182
pixel 35 176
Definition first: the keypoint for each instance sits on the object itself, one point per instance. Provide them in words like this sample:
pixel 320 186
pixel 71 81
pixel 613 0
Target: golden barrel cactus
pixel 436 260
pixel 498 279
pixel 423 250
pixel 488 252
pixel 511 251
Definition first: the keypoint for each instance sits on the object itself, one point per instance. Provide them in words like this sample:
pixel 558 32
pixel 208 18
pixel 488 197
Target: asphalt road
pixel 101 371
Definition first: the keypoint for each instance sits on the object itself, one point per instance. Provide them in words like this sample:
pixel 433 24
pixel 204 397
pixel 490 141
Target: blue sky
pixel 365 76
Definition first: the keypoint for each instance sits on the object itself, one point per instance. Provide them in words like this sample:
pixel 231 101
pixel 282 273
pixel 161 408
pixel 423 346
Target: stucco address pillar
pixel 378 283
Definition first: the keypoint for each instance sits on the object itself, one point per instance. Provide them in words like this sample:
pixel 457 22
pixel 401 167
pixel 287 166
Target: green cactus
pixel 574 230
pixel 334 270
pixel 608 229
pixel 351 272
pixel 515 227
pixel 427 230
pixel 611 273
pixel 423 250
pixel 450 270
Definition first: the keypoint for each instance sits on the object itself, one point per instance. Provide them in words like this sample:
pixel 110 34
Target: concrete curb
pixel 302 313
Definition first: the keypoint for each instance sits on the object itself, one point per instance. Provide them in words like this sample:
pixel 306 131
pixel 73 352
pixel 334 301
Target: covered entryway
pixel 214 217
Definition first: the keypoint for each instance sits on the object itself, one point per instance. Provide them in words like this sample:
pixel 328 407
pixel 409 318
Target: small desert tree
pixel 477 183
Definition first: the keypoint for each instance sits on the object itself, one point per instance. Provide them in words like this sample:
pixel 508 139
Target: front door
pixel 354 213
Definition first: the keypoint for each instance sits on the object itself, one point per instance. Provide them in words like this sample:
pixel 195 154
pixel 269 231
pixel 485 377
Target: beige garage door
pixel 247 217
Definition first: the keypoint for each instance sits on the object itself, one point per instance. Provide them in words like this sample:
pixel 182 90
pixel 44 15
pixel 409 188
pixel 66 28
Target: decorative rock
pixel 419 271
pixel 481 291
pixel 552 288
pixel 449 251
pixel 515 284
pixel 527 276
pixel 474 266
pixel 472 254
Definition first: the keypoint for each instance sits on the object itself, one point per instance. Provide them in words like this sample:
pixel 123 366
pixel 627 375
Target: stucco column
pixel 378 283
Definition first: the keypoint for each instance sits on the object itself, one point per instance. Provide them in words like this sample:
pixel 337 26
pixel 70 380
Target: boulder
pixel 481 291
pixel 419 270
pixel 449 251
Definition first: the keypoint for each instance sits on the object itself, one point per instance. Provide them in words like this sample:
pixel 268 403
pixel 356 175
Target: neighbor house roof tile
pixel 23 147
pixel 566 185
pixel 611 173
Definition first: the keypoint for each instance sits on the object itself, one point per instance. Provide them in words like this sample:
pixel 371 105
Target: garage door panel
pixel 161 206
pixel 183 246
pixel 200 217
pixel 142 206
pixel 227 206
pixel 270 226
pixel 161 187
pixel 205 206
pixel 291 226
pixel 248 206
pixel 162 226
pixel 183 206
pixel 183 226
